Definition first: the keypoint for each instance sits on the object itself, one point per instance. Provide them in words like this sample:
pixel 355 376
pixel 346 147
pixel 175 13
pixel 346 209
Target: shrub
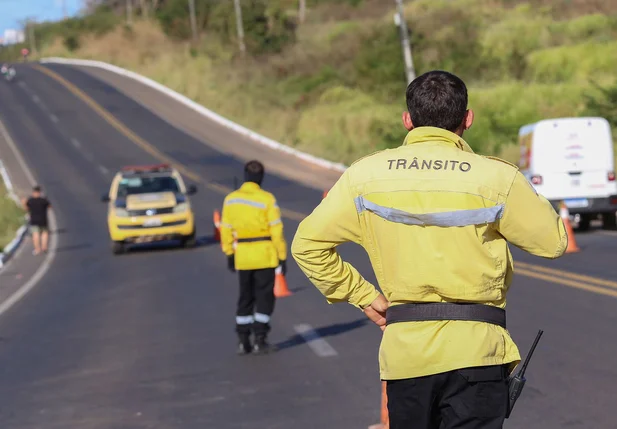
pixel 71 42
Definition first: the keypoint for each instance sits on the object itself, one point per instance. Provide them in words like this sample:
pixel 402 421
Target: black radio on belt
pixel 517 382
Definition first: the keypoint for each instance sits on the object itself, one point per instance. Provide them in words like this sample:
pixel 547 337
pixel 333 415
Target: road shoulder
pixel 23 270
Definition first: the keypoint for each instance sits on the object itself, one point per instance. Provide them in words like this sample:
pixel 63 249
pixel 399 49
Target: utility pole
pixel 30 29
pixel 129 12
pixel 302 11
pixel 240 27
pixel 193 20
pixel 399 20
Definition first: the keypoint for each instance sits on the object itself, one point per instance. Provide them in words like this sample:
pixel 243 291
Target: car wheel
pixel 609 221
pixel 118 248
pixel 190 241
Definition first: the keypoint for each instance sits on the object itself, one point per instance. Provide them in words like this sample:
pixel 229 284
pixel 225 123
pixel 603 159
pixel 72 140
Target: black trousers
pixel 470 398
pixel 256 301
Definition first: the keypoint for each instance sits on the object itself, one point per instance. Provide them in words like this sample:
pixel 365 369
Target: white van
pixel 571 160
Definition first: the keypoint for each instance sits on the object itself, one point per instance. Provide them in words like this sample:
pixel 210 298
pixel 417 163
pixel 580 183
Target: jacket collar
pixel 250 186
pixel 436 135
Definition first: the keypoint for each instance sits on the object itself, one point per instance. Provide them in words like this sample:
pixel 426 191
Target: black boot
pixel 261 346
pixel 244 344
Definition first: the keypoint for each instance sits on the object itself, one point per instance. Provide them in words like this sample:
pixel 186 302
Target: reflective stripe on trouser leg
pixel 262 318
pixel 244 320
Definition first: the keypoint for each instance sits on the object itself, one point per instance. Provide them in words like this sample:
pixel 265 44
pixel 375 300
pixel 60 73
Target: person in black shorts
pixel 37 206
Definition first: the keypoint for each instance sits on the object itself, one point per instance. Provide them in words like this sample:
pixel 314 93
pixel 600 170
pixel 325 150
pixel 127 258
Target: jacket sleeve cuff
pixel 364 297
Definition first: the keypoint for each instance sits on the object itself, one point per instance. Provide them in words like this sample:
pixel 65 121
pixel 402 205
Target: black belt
pixel 252 240
pixel 446 311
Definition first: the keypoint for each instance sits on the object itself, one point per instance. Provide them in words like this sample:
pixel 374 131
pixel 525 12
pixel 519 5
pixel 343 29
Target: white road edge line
pixel 103 170
pixel 53 117
pixel 75 142
pixel 320 346
pixel 53 245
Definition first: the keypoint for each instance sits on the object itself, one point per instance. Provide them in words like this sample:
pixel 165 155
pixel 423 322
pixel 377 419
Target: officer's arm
pixel 227 237
pixel 333 222
pixel 531 223
pixel 276 230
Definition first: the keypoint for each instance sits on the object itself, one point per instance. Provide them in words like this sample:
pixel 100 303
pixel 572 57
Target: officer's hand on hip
pixel 377 311
pixel 231 263
pixel 283 265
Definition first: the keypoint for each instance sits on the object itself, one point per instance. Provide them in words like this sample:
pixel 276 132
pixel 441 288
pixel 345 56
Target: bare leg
pixel 36 240
pixel 44 240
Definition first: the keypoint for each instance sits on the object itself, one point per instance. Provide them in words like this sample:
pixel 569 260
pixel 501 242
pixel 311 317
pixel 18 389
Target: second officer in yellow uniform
pixel 435 219
pixel 252 238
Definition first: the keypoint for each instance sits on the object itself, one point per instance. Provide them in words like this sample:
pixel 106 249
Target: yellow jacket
pixel 251 227
pixel 434 219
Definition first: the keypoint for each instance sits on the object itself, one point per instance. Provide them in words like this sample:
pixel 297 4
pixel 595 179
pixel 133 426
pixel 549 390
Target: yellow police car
pixel 149 203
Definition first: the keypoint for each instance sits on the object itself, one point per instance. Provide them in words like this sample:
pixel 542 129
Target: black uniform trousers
pixel 469 398
pixel 256 301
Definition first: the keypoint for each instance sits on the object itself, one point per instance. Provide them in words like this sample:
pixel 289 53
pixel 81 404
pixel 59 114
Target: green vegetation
pixel 11 217
pixel 333 85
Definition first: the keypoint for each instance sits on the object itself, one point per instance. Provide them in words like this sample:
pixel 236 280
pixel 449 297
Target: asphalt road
pixel 146 340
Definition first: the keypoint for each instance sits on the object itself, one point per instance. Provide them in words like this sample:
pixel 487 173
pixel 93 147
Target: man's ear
pixel 469 116
pixel 407 122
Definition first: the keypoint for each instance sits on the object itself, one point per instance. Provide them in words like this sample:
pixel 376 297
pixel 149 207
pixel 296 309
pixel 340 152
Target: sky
pixel 13 11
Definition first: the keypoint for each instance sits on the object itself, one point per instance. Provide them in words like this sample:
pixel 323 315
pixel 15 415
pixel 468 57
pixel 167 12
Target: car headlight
pixel 181 208
pixel 121 212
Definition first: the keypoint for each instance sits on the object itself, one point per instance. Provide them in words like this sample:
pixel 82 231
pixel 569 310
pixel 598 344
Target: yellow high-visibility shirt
pixel 252 213
pixel 435 219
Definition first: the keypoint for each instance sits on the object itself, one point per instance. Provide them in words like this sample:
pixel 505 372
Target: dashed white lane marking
pixel 103 170
pixel 36 99
pixel 75 143
pixel 49 257
pixel 54 118
pixel 320 346
pixel 88 156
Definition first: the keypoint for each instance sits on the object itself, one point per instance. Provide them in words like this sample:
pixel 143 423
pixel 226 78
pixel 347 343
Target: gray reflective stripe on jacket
pixel 246 202
pixel 444 219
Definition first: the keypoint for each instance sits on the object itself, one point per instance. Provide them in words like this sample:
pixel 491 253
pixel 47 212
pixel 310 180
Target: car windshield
pixel 147 184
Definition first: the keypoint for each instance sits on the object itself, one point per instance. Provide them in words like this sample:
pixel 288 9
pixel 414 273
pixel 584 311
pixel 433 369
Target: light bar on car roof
pixel 145 168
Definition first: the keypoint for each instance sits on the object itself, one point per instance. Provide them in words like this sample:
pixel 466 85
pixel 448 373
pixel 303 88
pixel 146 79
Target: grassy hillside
pixel 11 217
pixel 334 85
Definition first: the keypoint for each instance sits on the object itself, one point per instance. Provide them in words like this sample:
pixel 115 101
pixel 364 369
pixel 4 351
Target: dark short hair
pixel 437 99
pixel 254 171
pixel 36 188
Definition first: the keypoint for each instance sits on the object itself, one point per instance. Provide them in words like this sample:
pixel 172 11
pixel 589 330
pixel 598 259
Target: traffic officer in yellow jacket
pixel 435 219
pixel 252 238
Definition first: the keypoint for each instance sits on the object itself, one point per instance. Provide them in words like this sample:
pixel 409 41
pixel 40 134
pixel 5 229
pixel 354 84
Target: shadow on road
pixel 203 241
pixel 324 332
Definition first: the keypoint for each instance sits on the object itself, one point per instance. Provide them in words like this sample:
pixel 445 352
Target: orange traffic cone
pixel 280 284
pixel 217 225
pixel 565 216
pixel 385 419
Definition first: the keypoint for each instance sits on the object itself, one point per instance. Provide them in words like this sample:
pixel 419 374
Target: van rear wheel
pixel 609 221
